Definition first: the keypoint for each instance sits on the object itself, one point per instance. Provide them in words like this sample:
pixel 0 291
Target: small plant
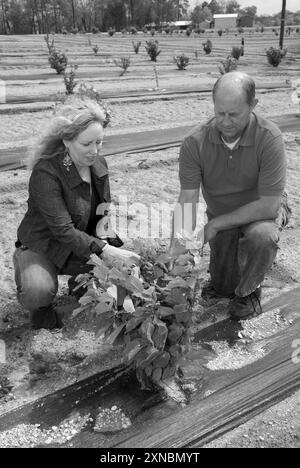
pixel 124 31
pixel 111 32
pixel 133 30
pixel 57 60
pixel 152 32
pixel 298 30
pixel 145 30
pixel 74 30
pixel 147 310
pixel 241 30
pixel 69 80
pixel 85 91
pixel 207 46
pixel 283 52
pixel 95 30
pixel 152 50
pixel 95 49
pixel 188 32
pixel 236 52
pixel 136 46
pixel 124 63
pixel 262 29
pixel 64 31
pixel 220 32
pixel 274 56
pixel 181 61
pixel 196 54
pixel 228 65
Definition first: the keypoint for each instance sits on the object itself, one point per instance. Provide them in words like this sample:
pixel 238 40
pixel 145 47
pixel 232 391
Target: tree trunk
pixel 4 24
pixel 73 13
pixel 55 16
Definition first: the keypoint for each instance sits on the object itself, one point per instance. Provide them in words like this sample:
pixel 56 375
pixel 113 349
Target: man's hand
pixel 210 231
pixel 120 254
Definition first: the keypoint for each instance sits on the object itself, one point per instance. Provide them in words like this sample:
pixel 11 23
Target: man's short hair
pixel 248 85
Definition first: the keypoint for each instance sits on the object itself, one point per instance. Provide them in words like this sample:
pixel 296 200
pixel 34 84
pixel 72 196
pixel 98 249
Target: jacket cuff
pixel 96 246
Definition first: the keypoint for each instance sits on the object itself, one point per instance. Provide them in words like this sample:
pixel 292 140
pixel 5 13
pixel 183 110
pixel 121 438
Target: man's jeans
pixel 240 258
pixel 37 279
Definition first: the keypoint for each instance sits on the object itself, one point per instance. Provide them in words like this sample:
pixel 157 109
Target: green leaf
pixel 164 311
pixel 132 349
pixel 147 329
pixel 134 323
pixel 158 272
pixel 115 334
pixel 101 273
pixel 160 334
pixel 180 308
pixel 86 299
pixel 179 270
pixel 184 259
pixel 103 306
pixel 112 290
pixel 191 282
pixel 164 259
pixel 146 357
pixel 176 297
pixel 177 283
pixel 128 305
pixel 103 329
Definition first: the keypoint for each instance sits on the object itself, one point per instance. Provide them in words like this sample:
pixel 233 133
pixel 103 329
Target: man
pixel 238 159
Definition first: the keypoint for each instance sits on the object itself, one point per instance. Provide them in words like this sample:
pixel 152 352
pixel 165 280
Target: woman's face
pixel 85 148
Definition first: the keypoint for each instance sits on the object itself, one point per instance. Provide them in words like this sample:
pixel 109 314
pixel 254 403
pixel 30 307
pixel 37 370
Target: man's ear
pixel 254 104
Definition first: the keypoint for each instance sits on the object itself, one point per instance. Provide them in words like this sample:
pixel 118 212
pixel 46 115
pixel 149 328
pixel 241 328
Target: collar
pixel 98 170
pixel 247 138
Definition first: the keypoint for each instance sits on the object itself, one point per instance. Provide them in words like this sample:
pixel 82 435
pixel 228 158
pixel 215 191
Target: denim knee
pixel 262 234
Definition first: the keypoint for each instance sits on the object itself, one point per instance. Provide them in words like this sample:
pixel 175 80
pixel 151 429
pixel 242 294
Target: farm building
pixel 226 21
pixel 181 25
pixel 246 21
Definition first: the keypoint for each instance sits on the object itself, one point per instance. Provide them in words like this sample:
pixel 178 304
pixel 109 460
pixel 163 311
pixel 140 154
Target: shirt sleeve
pixel 46 192
pixel 189 165
pixel 272 172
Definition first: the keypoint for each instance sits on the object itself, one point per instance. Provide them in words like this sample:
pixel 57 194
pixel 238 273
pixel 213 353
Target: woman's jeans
pixel 240 258
pixel 37 283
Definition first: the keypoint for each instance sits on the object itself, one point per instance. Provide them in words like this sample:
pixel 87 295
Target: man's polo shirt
pixel 233 178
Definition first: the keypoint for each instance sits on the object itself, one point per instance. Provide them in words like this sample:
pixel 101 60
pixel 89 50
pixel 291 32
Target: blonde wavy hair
pixel 72 118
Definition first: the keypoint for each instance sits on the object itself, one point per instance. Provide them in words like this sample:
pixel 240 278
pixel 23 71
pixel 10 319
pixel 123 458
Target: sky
pixel 264 7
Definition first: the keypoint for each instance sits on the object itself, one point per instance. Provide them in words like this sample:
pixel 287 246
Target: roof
pixel 181 23
pixel 232 15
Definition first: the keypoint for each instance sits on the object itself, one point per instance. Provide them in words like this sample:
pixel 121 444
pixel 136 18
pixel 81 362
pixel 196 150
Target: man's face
pixel 232 113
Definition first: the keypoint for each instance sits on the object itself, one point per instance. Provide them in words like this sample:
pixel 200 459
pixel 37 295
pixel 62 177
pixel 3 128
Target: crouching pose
pixel 57 235
pixel 238 160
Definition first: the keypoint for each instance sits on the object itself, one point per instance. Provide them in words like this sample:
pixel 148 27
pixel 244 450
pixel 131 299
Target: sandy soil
pixel 147 178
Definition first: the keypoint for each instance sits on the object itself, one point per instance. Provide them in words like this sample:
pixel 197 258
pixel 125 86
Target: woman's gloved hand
pixel 120 254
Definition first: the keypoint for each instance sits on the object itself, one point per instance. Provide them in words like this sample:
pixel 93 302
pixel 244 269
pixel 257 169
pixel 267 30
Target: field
pixel 148 177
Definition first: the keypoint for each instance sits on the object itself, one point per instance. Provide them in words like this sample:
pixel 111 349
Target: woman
pixel 57 235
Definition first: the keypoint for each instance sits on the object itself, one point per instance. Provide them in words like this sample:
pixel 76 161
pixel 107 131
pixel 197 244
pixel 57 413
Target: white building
pixel 226 21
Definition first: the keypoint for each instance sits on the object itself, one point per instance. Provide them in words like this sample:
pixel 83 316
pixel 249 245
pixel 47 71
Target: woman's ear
pixel 66 143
